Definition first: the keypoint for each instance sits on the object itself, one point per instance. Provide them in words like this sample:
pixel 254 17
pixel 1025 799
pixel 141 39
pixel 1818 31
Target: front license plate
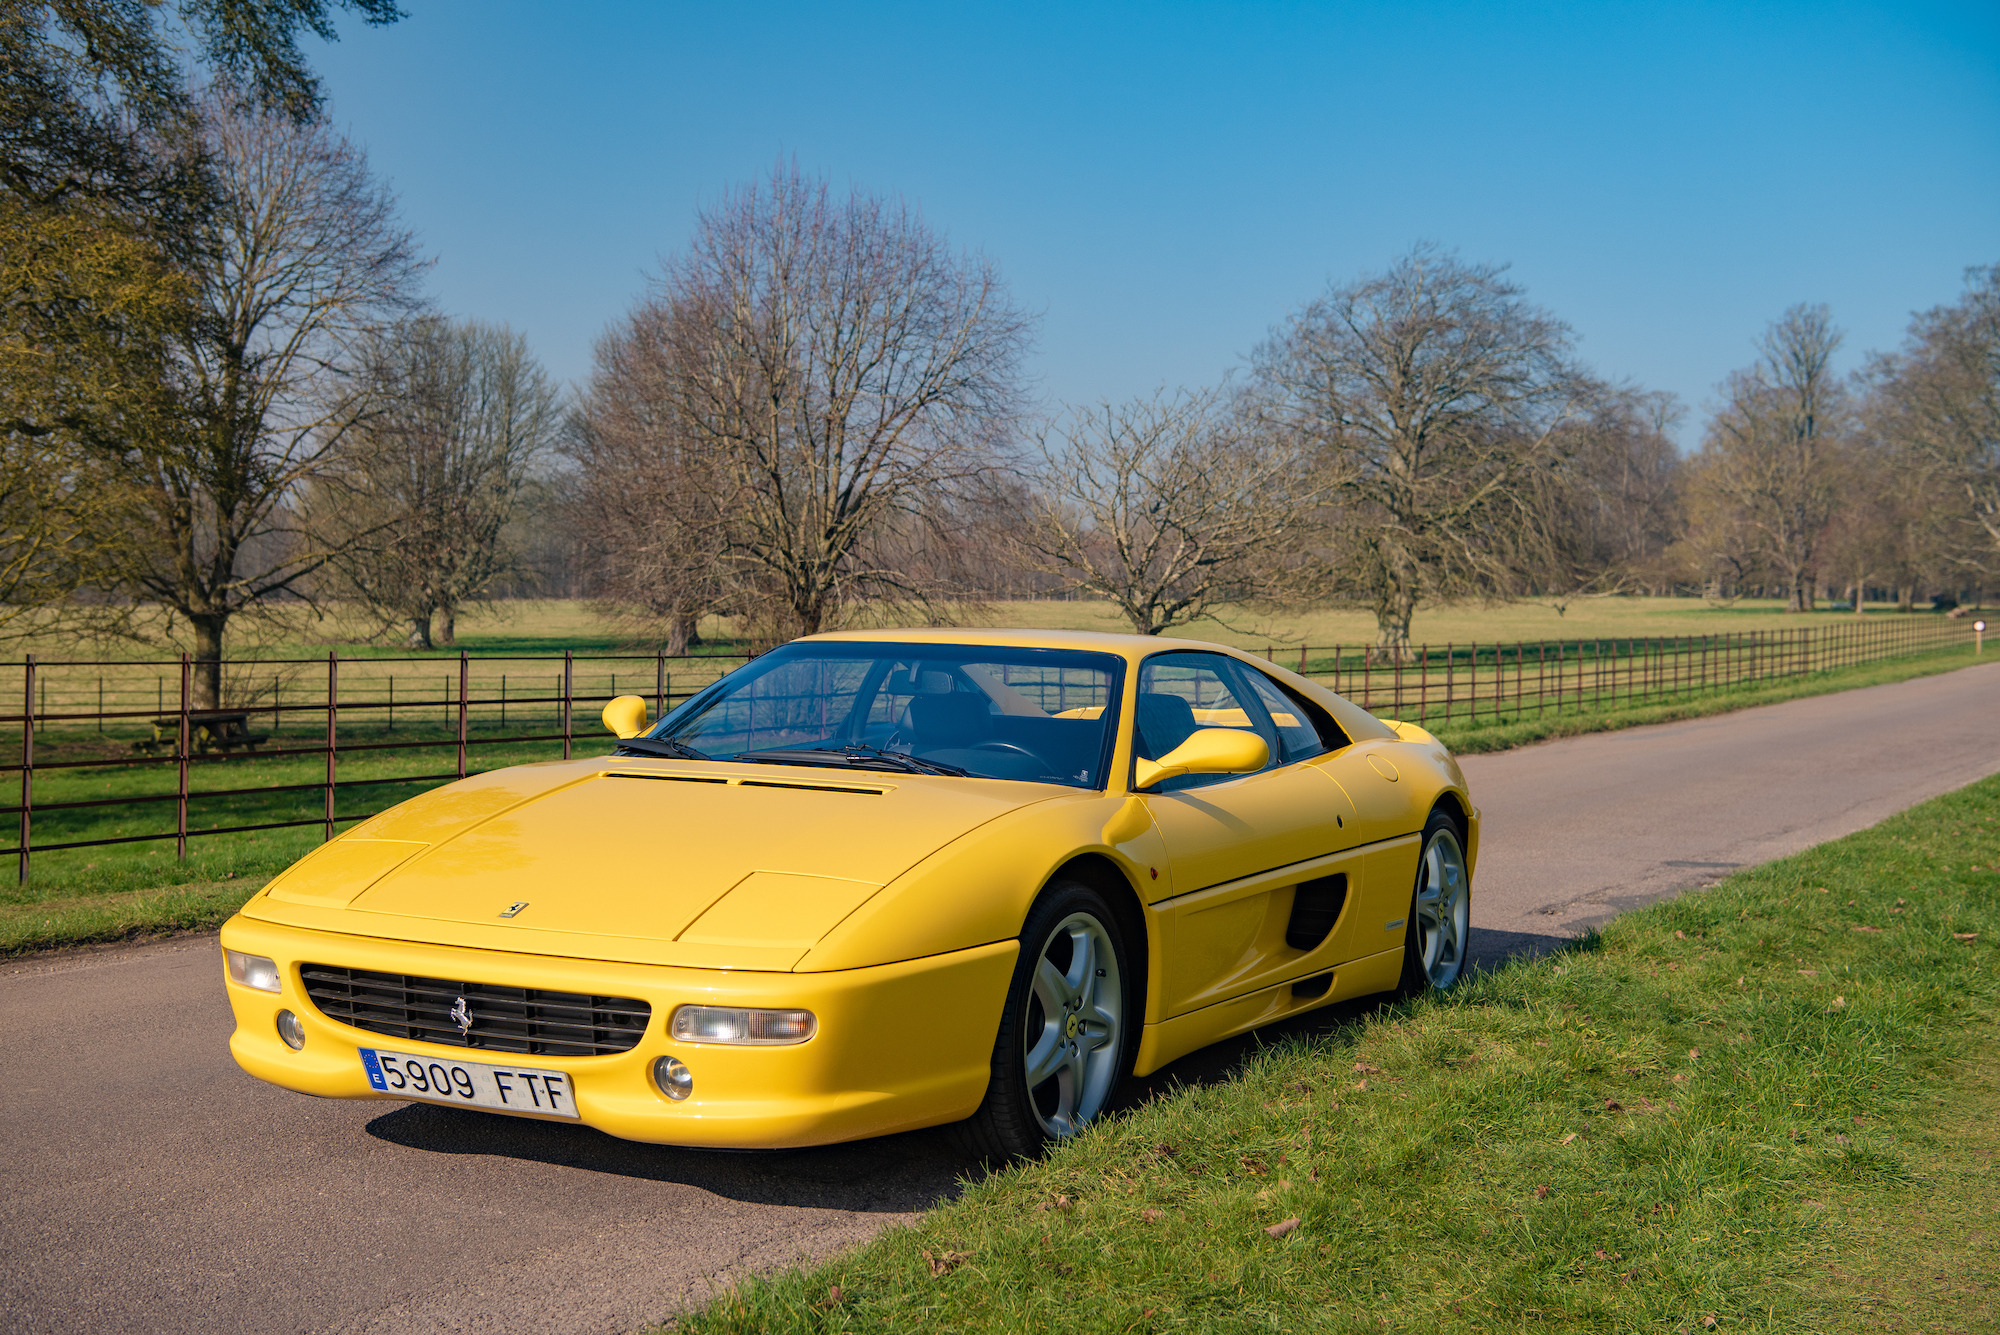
pixel 473 1084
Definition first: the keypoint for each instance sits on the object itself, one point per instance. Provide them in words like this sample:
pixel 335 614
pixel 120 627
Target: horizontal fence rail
pixel 108 741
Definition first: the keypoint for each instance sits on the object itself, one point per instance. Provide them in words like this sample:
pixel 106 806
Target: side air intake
pixel 1316 908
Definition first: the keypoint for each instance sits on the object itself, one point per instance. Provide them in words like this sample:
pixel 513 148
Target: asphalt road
pixel 149 1185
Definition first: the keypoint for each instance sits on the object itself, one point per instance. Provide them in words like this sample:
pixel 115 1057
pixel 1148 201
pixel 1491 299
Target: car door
pixel 1239 846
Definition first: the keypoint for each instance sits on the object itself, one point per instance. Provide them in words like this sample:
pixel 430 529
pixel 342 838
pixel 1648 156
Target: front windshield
pixel 1039 715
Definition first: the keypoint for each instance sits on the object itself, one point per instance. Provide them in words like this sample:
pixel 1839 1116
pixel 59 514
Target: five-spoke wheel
pixel 1440 919
pixel 1064 1040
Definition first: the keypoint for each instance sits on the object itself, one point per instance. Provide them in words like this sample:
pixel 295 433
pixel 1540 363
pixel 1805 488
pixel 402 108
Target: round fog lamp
pixel 673 1077
pixel 291 1030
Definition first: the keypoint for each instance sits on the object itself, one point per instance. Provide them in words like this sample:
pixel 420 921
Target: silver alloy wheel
pixel 1075 1026
pixel 1444 909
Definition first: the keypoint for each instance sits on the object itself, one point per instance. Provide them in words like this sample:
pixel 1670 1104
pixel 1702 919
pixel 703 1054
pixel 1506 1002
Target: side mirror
pixel 1208 751
pixel 626 716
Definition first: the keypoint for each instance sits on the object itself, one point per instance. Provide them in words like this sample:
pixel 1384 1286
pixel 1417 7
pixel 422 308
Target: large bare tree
pixel 1775 461
pixel 847 368
pixel 413 509
pixel 651 495
pixel 1937 405
pixel 1429 392
pixel 297 264
pixel 1166 506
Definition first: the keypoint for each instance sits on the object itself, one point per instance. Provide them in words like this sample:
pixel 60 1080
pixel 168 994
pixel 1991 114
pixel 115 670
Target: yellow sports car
pixel 870 882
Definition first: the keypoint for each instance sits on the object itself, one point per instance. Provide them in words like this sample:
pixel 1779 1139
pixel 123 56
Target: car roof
pixel 1097 641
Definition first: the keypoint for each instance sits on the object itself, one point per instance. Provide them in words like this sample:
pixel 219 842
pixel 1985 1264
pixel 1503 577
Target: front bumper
pixel 899 1046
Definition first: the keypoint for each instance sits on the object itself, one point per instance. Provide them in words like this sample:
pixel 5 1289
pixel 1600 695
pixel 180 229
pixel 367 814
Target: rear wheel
pixel 1439 926
pixel 1066 1035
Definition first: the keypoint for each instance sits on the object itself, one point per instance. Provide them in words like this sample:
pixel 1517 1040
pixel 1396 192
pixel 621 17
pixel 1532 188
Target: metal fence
pixel 1505 682
pixel 134 723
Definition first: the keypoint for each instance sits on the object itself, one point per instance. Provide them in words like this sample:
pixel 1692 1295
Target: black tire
pixel 1018 1120
pixel 1437 931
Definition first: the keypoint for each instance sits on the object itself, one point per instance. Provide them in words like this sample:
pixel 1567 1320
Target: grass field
pixel 1769 1106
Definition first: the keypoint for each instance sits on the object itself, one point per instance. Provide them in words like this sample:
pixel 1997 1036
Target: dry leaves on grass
pixel 1278 1230
pixel 1863 927
pixel 1542 1192
pixel 1567 1139
pixel 1059 1203
pixel 1965 936
pixel 1150 1216
pixel 943 1263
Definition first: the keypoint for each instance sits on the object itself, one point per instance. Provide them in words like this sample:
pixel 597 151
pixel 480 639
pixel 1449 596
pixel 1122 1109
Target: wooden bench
pixel 209 730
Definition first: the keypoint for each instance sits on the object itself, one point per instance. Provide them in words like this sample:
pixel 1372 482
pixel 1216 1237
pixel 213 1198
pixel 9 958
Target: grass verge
pixel 1753 1107
pixel 129 915
pixel 1466 739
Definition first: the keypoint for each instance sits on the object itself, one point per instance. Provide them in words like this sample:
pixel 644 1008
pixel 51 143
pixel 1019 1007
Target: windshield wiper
pixel 659 746
pixel 856 752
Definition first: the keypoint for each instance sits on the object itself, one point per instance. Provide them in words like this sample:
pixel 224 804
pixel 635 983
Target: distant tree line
pixel 225 398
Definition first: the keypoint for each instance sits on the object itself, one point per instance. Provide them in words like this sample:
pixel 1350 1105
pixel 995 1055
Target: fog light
pixel 291 1030
pixel 252 971
pixel 735 1024
pixel 673 1077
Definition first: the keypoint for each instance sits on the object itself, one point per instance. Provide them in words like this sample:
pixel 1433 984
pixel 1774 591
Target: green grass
pixel 1737 1107
pixel 1489 735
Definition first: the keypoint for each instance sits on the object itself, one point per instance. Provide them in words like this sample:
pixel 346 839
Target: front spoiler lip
pixel 842 1084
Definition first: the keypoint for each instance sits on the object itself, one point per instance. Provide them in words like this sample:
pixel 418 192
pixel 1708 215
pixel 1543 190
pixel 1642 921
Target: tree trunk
pixel 681 632
pixel 420 633
pixel 207 684
pixel 1906 597
pixel 1392 626
pixel 447 624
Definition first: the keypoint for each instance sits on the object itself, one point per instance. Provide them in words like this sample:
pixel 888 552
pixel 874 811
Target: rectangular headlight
pixel 734 1024
pixel 252 971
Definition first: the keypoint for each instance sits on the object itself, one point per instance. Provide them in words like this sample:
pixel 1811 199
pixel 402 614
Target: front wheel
pixel 1065 1037
pixel 1440 922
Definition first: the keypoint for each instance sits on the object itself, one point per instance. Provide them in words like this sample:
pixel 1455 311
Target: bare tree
pixel 1167 506
pixel 845 367
pixel 297 263
pixel 651 495
pixel 1429 393
pixel 1773 465
pixel 1937 404
pixel 414 508
pixel 1602 522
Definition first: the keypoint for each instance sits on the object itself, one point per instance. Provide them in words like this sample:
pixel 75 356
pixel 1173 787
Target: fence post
pixel 184 732
pixel 392 702
pixel 464 680
pixel 1302 660
pixel 659 682
pixel 569 682
pixel 27 759
pixel 332 717
pixel 1450 655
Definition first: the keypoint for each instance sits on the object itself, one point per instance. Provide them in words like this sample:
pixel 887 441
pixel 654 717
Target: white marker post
pixel 1978 637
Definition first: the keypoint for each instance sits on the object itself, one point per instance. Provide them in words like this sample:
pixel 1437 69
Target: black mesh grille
pixel 504 1019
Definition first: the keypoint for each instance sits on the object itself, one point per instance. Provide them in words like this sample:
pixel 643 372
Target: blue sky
pixel 1162 182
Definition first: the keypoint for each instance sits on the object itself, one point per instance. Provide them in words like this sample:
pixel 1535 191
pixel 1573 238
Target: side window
pixel 1180 692
pixel 1301 722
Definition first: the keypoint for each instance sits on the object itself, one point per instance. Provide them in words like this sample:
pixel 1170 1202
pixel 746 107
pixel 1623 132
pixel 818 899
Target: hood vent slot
pixel 746 783
pixel 666 778
pixel 810 787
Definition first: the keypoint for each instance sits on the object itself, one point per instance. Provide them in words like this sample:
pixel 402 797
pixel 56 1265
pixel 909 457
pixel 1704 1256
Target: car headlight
pixel 252 971
pixel 736 1024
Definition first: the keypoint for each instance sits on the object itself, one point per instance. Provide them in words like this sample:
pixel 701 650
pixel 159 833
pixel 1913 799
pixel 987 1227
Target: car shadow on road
pixel 897 1174
pixel 892 1175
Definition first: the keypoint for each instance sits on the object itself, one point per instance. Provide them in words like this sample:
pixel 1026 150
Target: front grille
pixel 504 1019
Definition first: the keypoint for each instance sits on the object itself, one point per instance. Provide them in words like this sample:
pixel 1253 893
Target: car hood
pixel 652 862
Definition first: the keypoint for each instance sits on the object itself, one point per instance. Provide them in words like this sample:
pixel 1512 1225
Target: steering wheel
pixel 1011 747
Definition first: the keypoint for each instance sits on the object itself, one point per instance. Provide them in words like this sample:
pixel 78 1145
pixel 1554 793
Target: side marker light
pixel 291 1030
